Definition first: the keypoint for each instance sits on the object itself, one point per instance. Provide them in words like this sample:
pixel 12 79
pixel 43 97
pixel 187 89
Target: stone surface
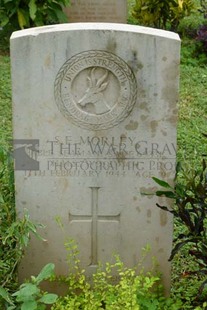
pixel 114 11
pixel 99 102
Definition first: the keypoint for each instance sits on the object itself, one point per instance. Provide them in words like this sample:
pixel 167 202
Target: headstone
pixel 99 103
pixel 114 11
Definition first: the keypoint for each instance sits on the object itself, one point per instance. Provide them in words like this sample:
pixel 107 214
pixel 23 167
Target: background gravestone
pixel 94 106
pixel 114 11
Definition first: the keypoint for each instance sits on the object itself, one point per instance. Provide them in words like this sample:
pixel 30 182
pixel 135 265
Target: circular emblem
pixel 95 90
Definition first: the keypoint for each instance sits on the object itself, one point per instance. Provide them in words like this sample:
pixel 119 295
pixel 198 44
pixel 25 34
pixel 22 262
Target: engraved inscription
pixel 93 219
pixel 95 90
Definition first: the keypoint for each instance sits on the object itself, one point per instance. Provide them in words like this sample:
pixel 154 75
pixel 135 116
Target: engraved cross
pixel 94 218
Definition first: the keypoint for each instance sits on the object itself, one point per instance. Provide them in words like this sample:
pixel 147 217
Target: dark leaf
pixel 199 255
pixel 185 217
pixel 178 246
pixel 180 190
pixel 165 208
pixel 167 194
pixel 181 236
pixel 161 182
pixel 204 165
pixel 178 166
pixel 201 288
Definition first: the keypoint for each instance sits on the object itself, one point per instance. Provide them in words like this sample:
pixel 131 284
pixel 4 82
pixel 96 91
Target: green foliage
pixel 203 8
pixel 191 211
pixel 5 102
pixel 14 233
pixel 29 296
pixel 189 25
pixel 112 286
pixel 192 144
pixel 204 306
pixel 30 13
pixel 178 10
pixel 202 38
pixel 162 13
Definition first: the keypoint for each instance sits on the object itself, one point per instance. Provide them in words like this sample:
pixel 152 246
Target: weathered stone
pixel 100 100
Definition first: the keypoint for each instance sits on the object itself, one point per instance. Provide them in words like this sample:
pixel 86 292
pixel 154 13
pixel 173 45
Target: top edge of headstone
pixel 95 26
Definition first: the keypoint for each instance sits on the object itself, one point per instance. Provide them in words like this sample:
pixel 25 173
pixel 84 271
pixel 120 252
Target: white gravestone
pixel 114 11
pixel 99 103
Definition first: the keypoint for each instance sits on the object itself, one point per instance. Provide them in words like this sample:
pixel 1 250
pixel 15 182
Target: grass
pixel 5 101
pixel 192 143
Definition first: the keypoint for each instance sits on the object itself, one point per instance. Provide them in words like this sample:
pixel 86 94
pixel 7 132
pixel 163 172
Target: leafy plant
pixel 202 37
pixel 203 8
pixel 162 14
pixel 29 296
pixel 112 286
pixel 191 211
pixel 14 233
pixel 30 13
pixel 201 33
pixel 179 9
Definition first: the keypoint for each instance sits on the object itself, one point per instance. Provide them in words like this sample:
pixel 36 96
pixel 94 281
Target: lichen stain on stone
pixel 47 61
pixel 142 93
pixel 138 209
pixel 64 184
pixel 52 119
pixel 134 63
pixel 163 218
pixel 169 92
pixel 157 239
pixel 153 126
pixel 168 95
pixel 133 125
pixel 120 156
pixel 99 133
pixel 175 111
pixel 171 72
pixel 172 119
pixel 149 213
pixel 123 137
pixel 164 132
pixel 144 117
pixel 111 45
pixel 143 106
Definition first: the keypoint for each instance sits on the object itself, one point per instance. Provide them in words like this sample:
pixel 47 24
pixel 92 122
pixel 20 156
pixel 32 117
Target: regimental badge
pixel 95 90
